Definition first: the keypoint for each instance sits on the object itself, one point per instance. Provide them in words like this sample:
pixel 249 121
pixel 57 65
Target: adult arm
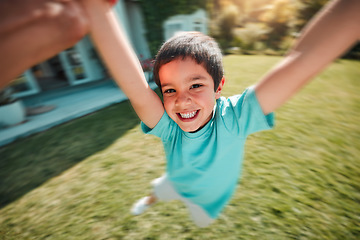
pixel 333 31
pixel 122 62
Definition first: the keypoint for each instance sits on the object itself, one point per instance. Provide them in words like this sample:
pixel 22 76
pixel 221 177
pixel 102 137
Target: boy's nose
pixel 183 99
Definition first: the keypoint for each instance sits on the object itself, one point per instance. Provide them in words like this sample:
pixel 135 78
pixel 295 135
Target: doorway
pixel 50 74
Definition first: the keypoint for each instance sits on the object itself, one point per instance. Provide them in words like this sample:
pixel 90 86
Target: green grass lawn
pixel 300 180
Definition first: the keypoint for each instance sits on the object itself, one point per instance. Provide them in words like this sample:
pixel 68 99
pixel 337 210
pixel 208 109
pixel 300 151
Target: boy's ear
pixel 220 87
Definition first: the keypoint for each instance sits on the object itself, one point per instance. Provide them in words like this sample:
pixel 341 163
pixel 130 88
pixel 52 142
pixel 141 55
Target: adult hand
pixel 34 30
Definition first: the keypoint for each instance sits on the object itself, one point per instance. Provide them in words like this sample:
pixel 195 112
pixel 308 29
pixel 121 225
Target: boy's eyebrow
pixel 165 85
pixel 196 76
pixel 191 78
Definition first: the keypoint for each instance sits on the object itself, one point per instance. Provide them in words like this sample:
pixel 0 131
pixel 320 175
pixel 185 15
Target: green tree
pixel 226 25
pixel 307 9
pixel 280 18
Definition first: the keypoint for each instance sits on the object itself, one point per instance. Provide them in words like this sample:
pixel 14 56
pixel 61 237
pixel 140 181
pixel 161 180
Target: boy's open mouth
pixel 188 115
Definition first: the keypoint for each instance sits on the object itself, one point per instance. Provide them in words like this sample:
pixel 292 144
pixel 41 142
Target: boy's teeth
pixel 188 115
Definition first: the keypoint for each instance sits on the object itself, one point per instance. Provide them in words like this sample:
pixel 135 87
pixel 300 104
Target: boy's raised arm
pixel 122 62
pixel 334 30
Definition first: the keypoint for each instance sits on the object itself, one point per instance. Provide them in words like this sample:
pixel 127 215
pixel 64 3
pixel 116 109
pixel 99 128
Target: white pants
pixel 164 191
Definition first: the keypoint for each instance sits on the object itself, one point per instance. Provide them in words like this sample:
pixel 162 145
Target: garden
pixel 300 180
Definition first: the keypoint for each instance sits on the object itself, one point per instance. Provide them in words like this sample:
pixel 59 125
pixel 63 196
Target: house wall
pixel 138 32
pixel 192 22
pixel 120 10
pixel 131 19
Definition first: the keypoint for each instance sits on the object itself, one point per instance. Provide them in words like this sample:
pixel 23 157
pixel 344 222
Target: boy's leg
pixel 142 204
pixel 162 190
pixel 198 215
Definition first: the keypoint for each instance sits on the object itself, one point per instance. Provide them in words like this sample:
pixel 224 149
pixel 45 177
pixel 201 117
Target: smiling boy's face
pixel 188 92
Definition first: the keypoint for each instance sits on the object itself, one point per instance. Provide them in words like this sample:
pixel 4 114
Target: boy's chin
pixel 187 127
pixel 191 129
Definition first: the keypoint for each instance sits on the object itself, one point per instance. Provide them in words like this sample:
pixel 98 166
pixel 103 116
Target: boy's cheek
pixel 166 106
pixel 166 100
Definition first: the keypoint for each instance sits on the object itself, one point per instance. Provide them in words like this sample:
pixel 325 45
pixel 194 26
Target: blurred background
pixel 73 158
pixel 247 27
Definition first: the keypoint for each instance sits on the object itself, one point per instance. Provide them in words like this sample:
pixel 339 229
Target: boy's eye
pixel 169 91
pixel 196 85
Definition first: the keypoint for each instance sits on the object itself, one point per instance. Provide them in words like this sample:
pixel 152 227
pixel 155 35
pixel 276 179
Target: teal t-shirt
pixel 204 166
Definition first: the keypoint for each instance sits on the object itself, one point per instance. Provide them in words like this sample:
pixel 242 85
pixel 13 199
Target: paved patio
pixel 69 103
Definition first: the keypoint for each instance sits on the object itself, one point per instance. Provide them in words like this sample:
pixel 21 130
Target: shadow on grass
pixel 30 162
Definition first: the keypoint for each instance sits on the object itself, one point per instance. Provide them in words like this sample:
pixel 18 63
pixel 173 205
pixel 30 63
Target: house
pixel 196 21
pixel 80 64
pixel 75 82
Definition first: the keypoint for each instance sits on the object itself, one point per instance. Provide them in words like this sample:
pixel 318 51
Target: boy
pixel 204 141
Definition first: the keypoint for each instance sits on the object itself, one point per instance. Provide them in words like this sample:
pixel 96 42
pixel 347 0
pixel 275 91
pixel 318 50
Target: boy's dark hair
pixel 195 45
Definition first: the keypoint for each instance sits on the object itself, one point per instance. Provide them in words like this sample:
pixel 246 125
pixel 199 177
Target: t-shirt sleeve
pixel 249 117
pixel 163 128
